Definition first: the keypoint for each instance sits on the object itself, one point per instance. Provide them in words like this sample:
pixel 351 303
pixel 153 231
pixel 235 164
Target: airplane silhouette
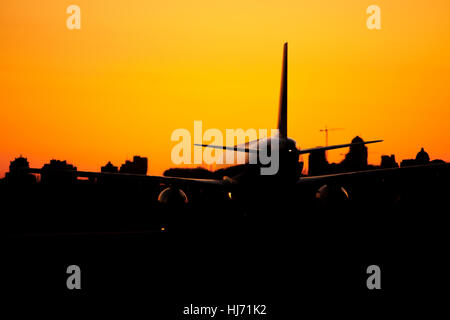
pixel 289 171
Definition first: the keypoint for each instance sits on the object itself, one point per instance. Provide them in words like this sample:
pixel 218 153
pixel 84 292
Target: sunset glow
pixel 138 70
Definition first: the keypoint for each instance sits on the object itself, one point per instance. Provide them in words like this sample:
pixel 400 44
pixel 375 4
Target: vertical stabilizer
pixel 282 111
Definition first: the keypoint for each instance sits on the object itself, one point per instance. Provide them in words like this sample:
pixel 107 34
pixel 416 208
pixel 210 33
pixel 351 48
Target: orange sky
pixel 137 70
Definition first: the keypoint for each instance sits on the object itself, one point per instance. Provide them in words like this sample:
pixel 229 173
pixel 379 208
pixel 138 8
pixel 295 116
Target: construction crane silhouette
pixel 326 135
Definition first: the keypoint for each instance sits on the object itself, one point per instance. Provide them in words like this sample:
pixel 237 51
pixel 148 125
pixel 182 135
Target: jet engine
pixel 332 194
pixel 173 196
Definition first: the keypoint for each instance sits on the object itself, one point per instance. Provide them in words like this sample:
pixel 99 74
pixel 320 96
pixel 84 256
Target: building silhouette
pixel 422 157
pixel 198 173
pixel 317 163
pixel 109 168
pixel 388 161
pixel 17 172
pixel 137 166
pixel 356 158
pixel 58 172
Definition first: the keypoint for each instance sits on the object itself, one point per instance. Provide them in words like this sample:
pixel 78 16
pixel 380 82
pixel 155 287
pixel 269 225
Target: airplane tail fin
pixel 282 114
pixel 282 111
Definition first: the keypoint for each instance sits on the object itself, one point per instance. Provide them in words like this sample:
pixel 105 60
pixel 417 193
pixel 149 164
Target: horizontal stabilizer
pixel 336 146
pixel 235 148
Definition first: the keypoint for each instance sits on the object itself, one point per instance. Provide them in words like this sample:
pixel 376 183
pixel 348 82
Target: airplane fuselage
pixel 288 168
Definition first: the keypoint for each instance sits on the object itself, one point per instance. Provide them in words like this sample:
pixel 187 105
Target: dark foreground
pixel 286 251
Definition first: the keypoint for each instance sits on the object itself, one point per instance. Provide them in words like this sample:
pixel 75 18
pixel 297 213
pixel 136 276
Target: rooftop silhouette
pixel 137 166
pixel 57 171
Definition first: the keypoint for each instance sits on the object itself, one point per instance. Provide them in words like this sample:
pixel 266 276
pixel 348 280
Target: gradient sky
pixel 137 70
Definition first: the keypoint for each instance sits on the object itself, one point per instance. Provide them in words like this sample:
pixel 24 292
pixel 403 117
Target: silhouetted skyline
pixel 355 159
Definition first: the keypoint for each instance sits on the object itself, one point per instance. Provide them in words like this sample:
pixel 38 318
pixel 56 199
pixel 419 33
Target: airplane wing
pixel 146 178
pixel 346 176
pixel 302 151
